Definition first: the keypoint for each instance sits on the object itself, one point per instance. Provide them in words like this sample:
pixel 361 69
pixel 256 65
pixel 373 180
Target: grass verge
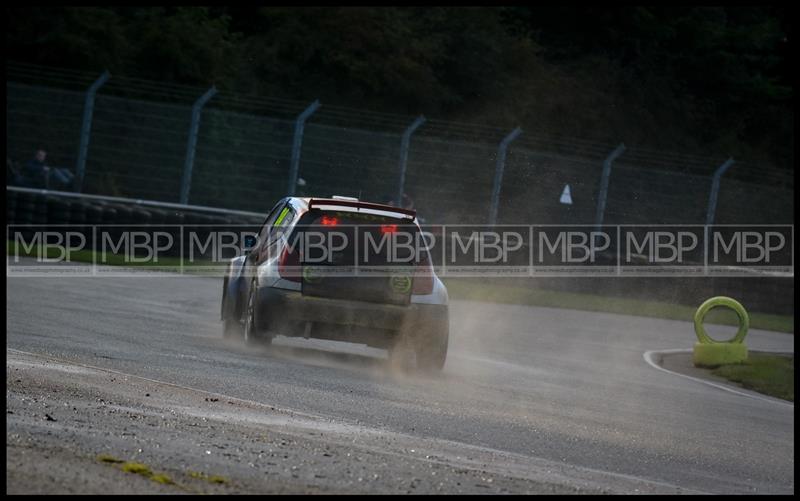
pixel 772 375
pixel 594 302
pixel 483 291
pixel 169 264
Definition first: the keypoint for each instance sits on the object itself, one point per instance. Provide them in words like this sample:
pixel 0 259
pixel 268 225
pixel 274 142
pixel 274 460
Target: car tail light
pixel 423 277
pixel 289 265
pixel 388 228
pixel 329 221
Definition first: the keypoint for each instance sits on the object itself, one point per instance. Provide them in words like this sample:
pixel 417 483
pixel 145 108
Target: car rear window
pixel 346 238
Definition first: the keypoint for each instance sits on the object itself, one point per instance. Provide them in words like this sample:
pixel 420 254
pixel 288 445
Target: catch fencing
pixel 138 144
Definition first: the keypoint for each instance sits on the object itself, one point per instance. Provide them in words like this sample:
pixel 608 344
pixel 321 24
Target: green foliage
pixel 182 44
pixel 185 45
pixel 765 373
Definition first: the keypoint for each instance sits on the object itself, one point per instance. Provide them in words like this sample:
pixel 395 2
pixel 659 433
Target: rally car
pixel 327 268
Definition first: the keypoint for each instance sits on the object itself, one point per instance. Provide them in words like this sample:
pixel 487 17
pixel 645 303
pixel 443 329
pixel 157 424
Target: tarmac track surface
pixel 531 400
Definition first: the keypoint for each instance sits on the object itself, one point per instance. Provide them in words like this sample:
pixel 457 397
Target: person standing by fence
pixel 37 174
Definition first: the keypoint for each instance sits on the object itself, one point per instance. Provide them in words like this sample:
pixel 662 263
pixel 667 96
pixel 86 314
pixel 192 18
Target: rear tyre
pixel 251 334
pixel 232 329
pixel 402 355
pixel 431 349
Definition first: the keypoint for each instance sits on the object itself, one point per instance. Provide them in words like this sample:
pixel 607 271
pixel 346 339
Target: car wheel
pixel 402 354
pixel 251 335
pixel 232 328
pixel 431 350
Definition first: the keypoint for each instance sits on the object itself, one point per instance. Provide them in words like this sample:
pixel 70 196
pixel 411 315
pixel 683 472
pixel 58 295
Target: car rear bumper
pixel 291 313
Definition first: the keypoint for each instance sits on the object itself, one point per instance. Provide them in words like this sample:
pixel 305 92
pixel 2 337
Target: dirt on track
pixel 67 424
pixel 537 399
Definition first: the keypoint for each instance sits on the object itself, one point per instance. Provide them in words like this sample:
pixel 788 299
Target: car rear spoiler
pixel 315 202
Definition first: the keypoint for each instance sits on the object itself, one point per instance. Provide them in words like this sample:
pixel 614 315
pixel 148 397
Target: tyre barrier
pixel 124 214
pixel 27 208
pixel 94 214
pixel 25 212
pixel 77 213
pixel 11 206
pixel 173 220
pixel 709 352
pixel 157 216
pixel 202 231
pixel 40 211
pixel 109 214
pixel 141 216
pixel 58 210
pixel 22 213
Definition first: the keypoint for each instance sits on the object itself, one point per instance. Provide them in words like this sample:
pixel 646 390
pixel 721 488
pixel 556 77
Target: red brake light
pixel 289 265
pixel 388 228
pixel 329 221
pixel 423 277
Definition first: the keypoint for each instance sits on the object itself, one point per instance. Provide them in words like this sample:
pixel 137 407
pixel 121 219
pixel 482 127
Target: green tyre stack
pixel 709 352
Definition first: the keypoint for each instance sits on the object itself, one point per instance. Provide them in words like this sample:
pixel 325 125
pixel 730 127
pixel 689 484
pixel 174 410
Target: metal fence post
pixel 712 198
pixel 404 156
pixel 498 173
pixel 86 129
pixel 603 193
pixel 191 145
pixel 299 125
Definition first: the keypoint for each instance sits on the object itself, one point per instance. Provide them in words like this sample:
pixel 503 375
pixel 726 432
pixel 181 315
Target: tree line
pixel 710 80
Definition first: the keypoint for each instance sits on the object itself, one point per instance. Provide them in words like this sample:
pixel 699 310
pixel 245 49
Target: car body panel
pixel 284 309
